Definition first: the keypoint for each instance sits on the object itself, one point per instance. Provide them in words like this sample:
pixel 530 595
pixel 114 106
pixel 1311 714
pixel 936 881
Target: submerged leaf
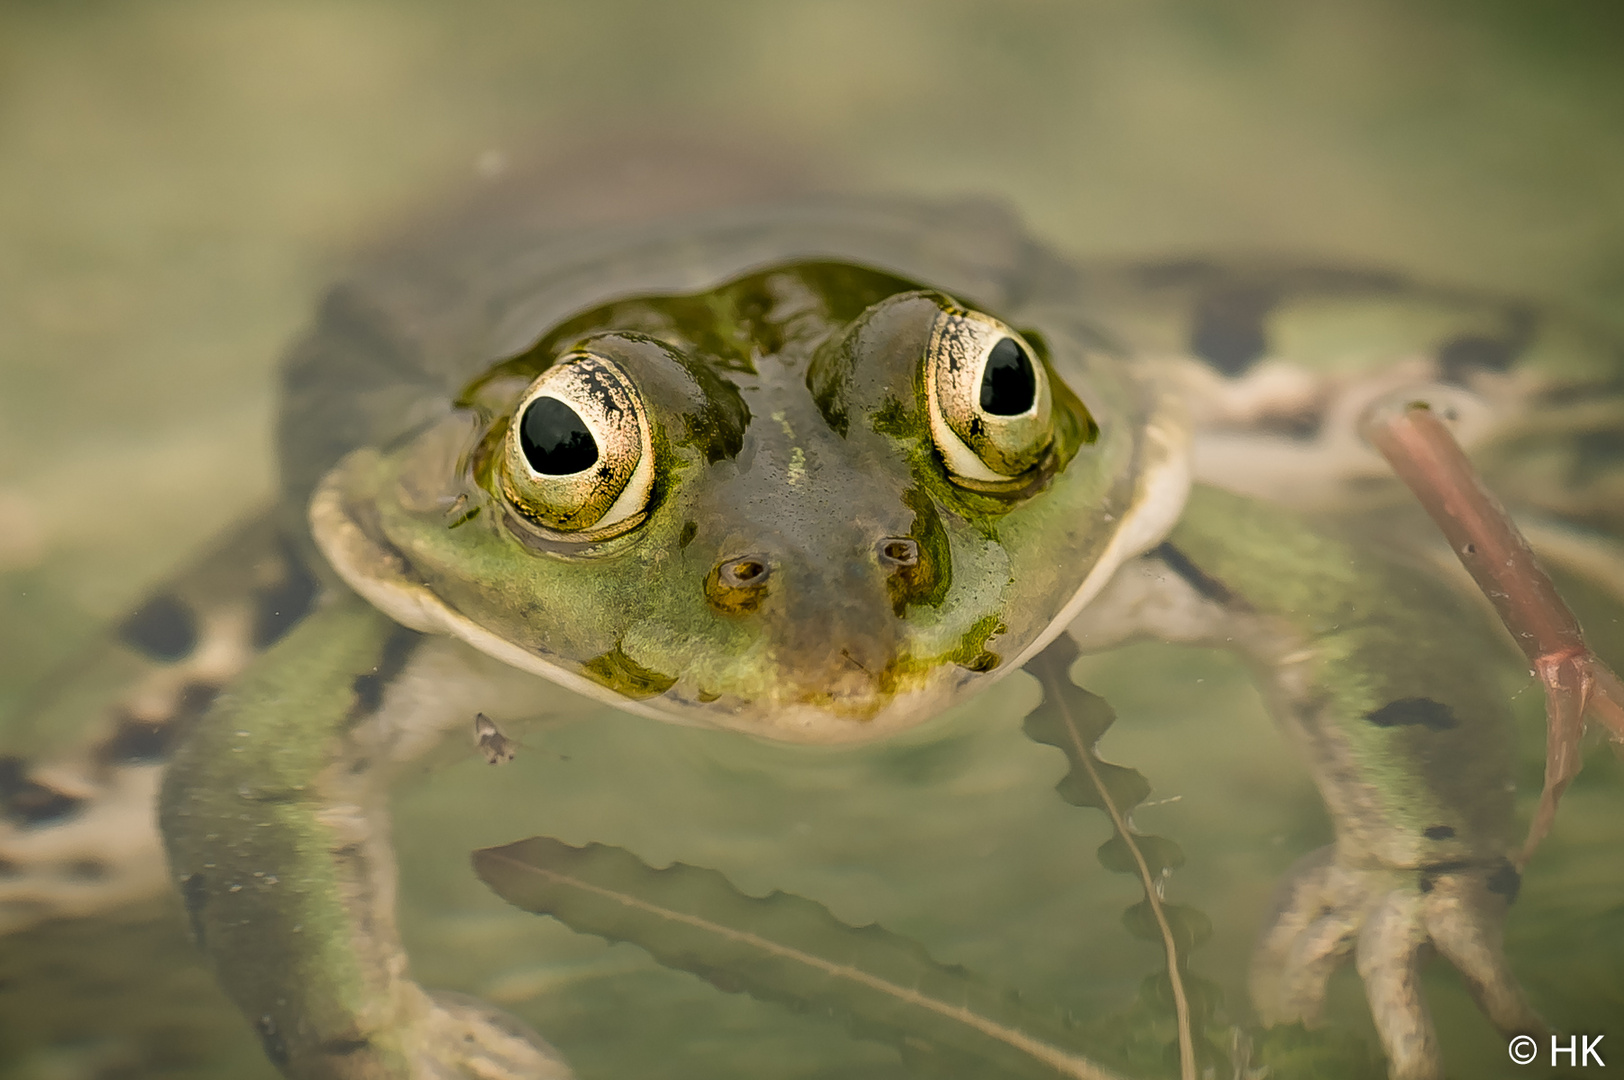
pixel 790 950
pixel 1189 926
pixel 1072 719
pixel 1159 853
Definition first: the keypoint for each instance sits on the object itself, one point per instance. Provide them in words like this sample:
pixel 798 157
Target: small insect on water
pixel 496 746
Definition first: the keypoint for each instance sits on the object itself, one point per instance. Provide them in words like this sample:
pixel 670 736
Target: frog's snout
pixel 826 618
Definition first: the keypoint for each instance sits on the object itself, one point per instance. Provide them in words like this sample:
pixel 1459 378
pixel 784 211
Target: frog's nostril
pixel 746 573
pixel 899 552
pixel 738 586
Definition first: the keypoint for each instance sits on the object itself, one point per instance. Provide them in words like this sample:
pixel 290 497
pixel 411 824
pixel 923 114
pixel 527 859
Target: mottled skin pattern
pixel 778 353
pixel 1409 747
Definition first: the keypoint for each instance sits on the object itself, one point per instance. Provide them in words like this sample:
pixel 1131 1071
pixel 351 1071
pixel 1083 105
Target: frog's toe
pixel 1459 913
pixel 1463 914
pixel 1309 936
pixel 1315 954
pixel 1388 957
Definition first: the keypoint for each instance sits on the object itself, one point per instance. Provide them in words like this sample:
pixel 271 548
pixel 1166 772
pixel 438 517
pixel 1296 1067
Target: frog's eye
pixel 990 406
pixel 577 457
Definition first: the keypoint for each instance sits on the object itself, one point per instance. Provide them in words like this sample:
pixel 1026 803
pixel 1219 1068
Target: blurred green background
pixel 180 178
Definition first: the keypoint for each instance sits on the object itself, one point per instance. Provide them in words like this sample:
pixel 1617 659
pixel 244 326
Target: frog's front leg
pixel 1382 676
pixel 274 816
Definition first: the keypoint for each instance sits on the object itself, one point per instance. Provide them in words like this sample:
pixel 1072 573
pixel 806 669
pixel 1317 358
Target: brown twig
pixel 1488 543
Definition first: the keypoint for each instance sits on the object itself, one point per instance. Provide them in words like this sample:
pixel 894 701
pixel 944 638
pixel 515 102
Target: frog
pixel 813 471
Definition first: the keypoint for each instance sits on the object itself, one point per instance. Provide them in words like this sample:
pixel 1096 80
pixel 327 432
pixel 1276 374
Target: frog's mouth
pixel 814 708
pixel 857 708
pixel 814 703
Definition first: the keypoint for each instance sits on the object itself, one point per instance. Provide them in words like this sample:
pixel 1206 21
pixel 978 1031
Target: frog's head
pixel 816 503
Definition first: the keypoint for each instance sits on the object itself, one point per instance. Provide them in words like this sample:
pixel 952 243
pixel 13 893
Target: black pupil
pixel 555 439
pixel 1008 385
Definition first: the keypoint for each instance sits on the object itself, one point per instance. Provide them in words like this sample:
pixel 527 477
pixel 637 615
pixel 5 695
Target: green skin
pixel 755 455
pixel 788 419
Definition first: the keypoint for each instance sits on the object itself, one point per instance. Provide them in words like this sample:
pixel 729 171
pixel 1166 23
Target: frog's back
pixel 394 347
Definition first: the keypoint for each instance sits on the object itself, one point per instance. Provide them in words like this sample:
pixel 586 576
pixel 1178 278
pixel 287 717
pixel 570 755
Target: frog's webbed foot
pixel 1389 920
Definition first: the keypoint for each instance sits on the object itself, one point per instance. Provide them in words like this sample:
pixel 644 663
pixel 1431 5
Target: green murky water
pixel 178 180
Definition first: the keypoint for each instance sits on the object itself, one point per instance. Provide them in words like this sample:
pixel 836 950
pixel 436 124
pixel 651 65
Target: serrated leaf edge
pixel 1054 666
pixel 1067 1064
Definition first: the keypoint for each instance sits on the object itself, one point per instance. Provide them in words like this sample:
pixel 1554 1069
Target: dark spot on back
pixel 270 1039
pixel 1228 331
pixel 1439 832
pixel 195 699
pixel 194 893
pixel 1424 883
pixel 136 741
pixel 29 802
pixel 1577 393
pixel 1301 424
pixel 8 868
pixel 1506 882
pixel 369 687
pixel 87 870
pixel 368 694
pixel 1209 587
pixel 1459 357
pixel 278 607
pixel 1598 454
pixel 1430 714
pixel 690 530
pixel 164 628
pixel 344 1047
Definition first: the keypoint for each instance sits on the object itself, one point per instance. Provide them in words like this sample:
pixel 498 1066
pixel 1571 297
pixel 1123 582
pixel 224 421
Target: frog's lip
pixel 820 723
